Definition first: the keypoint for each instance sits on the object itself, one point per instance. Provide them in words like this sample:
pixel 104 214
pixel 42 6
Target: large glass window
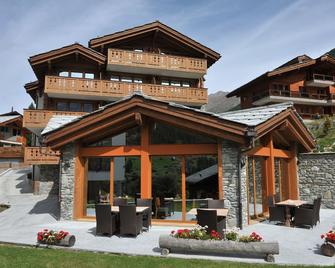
pixel 167 134
pixel 166 187
pixel 61 106
pixel 98 183
pixel 88 107
pixel 75 107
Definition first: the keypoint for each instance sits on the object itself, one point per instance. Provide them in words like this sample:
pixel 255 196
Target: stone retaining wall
pixel 317 177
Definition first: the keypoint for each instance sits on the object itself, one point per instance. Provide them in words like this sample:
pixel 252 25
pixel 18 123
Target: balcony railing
pixel 40 118
pixel 291 94
pixel 56 86
pixel 11 152
pixel 41 156
pixel 169 63
pixel 324 77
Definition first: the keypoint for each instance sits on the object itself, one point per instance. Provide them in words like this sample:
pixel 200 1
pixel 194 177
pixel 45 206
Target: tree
pixel 31 106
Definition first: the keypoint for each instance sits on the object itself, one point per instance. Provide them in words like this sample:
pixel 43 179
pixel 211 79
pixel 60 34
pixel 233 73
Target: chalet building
pixel 122 118
pixel 11 150
pixel 308 83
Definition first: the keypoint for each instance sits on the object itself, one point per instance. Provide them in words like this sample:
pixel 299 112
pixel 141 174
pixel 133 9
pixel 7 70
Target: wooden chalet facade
pixel 121 119
pixel 308 83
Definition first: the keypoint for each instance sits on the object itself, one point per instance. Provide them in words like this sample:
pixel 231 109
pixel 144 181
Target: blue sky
pixel 252 36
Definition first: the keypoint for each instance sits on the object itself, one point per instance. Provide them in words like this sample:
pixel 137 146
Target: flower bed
pixel 328 247
pixel 51 237
pixel 198 240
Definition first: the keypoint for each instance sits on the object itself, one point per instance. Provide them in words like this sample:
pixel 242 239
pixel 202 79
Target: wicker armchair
pixel 209 218
pixel 119 201
pixel 147 214
pixel 131 223
pixel 308 216
pixel 276 213
pixel 216 203
pixel 105 221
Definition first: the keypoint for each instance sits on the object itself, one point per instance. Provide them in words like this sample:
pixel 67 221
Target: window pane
pixel 115 78
pixel 201 182
pixel 89 76
pixel 175 83
pixel 98 183
pixel 186 84
pixel 88 107
pixel 167 134
pixel 77 75
pixel 166 187
pixel 75 107
pixel 64 74
pixel 61 106
pixel 126 79
pixel 127 180
pixel 138 80
pixel 165 83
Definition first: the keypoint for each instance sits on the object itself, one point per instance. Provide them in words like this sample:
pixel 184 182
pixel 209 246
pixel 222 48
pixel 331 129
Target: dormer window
pixel 64 74
pixel 76 75
pixel 89 76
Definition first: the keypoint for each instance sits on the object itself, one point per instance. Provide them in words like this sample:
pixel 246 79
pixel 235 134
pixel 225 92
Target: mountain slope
pixel 219 103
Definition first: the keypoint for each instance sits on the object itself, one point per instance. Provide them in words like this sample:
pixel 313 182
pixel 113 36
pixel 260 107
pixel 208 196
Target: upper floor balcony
pixel 94 89
pixel 155 64
pixel 36 120
pixel 41 156
pixel 11 152
pixel 321 80
pixel 299 97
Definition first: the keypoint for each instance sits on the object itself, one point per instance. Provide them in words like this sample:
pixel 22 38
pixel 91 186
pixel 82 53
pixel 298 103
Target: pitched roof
pixel 153 26
pixel 237 122
pixel 8 118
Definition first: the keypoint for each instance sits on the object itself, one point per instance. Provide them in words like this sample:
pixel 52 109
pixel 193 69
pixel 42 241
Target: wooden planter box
pixel 68 241
pixel 328 249
pixel 169 244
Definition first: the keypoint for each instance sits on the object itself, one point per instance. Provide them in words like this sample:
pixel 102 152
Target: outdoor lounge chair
pixel 276 213
pixel 216 203
pixel 209 218
pixel 308 216
pixel 147 215
pixel 105 221
pixel 131 223
pixel 119 201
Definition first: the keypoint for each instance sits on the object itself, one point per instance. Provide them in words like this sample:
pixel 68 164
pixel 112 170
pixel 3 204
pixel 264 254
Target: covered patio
pixel 177 156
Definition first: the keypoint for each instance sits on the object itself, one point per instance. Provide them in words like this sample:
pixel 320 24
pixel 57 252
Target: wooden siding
pixel 40 156
pixel 11 152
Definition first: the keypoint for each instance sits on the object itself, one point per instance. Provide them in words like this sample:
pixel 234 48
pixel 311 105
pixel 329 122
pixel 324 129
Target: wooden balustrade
pixel 40 118
pixel 113 90
pixel 157 61
pixel 41 156
pixel 11 152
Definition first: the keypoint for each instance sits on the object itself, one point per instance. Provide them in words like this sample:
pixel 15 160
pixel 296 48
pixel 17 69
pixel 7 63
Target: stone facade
pixel 66 183
pixel 48 179
pixel 234 184
pixel 317 177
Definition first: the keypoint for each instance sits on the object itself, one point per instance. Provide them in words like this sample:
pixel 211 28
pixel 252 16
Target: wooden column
pixel 292 174
pixel 248 186
pixel 271 168
pixel 264 164
pixel 145 162
pixel 220 175
pixel 111 181
pixel 254 186
pixel 183 187
pixel 80 186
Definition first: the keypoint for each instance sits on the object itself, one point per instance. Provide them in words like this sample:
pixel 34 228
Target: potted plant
pixel 51 237
pixel 328 247
pixel 198 240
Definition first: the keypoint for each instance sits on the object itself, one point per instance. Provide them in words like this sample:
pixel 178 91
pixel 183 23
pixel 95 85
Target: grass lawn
pixel 14 256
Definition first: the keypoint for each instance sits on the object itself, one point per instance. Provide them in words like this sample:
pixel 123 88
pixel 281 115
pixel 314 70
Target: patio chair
pixel 216 203
pixel 161 212
pixel 209 218
pixel 276 213
pixel 105 221
pixel 119 201
pixel 131 223
pixel 277 197
pixel 317 211
pixel 147 215
pixel 305 216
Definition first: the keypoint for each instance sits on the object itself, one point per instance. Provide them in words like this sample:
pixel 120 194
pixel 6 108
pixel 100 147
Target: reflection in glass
pixel 98 183
pixel 166 187
pixel 201 182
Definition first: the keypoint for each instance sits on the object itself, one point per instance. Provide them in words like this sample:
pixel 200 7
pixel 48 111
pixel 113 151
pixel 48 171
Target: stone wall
pixel 235 191
pixel 66 182
pixel 48 179
pixel 317 177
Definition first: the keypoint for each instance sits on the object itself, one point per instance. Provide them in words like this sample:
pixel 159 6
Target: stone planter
pixel 328 249
pixel 169 244
pixel 67 241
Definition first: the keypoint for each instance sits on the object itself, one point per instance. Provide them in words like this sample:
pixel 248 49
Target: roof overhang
pixel 156 26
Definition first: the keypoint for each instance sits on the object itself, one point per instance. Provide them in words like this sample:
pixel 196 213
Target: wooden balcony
pixel 155 64
pixel 38 119
pixel 81 88
pixel 11 152
pixel 41 156
pixel 321 80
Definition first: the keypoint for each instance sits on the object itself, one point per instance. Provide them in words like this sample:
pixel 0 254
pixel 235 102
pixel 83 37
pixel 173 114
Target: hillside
pixel 219 103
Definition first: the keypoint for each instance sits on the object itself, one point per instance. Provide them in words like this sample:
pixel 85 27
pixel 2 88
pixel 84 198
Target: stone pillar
pixel 234 184
pixel 66 182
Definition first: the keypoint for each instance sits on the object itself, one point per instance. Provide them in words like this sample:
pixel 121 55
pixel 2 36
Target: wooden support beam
pixel 183 187
pixel 248 186
pixel 292 174
pixel 111 181
pixel 220 175
pixel 80 185
pixel 254 186
pixel 264 164
pixel 265 151
pixel 145 162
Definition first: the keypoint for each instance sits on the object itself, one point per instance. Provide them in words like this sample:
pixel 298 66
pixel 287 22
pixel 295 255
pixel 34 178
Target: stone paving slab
pixel 28 214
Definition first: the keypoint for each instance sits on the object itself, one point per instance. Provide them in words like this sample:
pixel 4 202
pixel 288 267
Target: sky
pixel 252 36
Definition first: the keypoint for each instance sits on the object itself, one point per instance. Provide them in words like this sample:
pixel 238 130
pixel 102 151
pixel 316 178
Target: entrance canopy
pixel 245 127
